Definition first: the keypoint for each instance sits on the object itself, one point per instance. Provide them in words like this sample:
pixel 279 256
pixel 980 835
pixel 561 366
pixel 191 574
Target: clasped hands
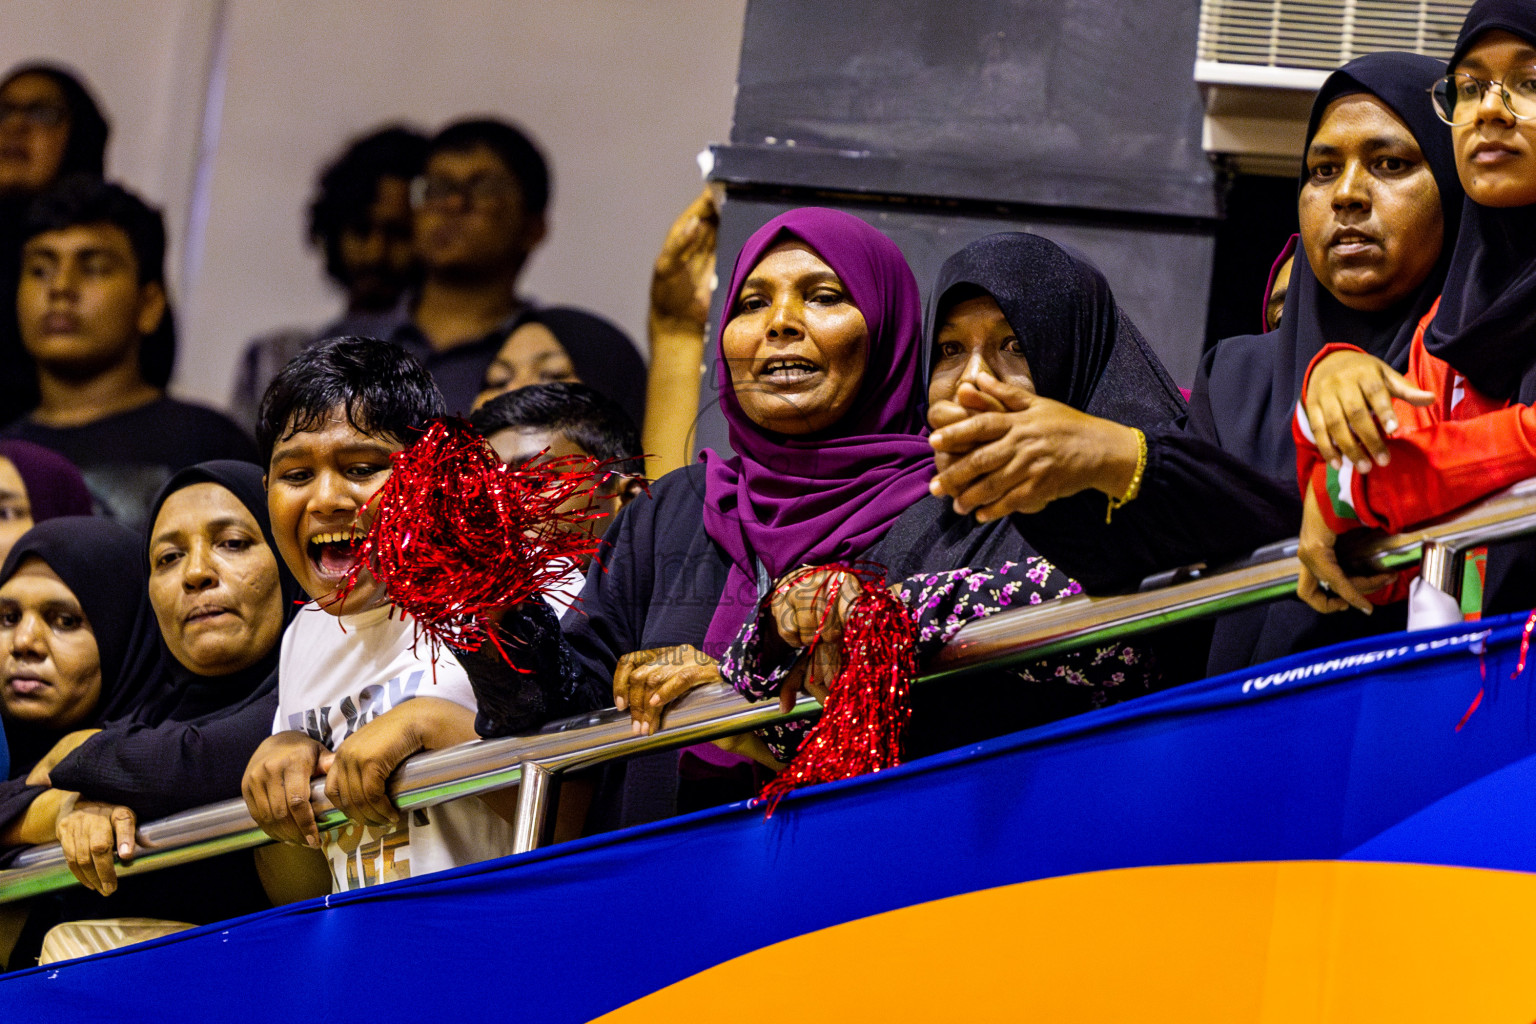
pixel 1000 448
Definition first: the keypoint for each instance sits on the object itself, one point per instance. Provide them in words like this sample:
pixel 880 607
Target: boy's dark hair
pixel 515 149
pixel 384 390
pixel 86 150
pixel 590 421
pixel 349 187
pixel 83 199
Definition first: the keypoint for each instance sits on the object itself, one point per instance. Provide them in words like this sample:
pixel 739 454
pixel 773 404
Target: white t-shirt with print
pixel 335 674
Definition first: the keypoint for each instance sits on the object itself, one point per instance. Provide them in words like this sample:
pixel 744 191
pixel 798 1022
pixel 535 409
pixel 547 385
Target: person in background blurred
pixel 50 128
pixel 361 220
pixel 94 317
pixel 572 346
pixel 1279 284
pixel 36 485
pixel 480 211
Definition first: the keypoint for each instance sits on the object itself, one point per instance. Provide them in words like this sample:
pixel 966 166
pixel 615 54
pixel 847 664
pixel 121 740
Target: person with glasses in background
pixel 50 128
pixel 479 212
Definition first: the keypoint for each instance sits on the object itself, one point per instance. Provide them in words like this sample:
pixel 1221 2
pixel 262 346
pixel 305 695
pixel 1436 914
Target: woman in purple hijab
pixel 36 485
pixel 821 347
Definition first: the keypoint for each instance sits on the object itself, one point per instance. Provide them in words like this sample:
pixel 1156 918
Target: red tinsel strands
pixel 1525 645
pixel 866 712
pixel 455 535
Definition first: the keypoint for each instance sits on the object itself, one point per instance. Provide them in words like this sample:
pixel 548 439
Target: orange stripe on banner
pixel 1297 942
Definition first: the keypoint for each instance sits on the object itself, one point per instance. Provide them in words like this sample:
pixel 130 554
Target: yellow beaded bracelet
pixel 1135 487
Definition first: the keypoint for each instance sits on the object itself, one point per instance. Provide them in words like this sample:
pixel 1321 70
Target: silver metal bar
pixel 717 711
pixel 532 807
pixel 1441 568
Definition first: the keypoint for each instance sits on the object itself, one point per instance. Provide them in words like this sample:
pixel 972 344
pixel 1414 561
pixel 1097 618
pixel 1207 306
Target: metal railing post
pixel 1441 567
pixel 532 824
pixel 1435 599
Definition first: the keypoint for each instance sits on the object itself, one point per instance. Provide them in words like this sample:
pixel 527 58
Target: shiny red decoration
pixel 868 706
pixel 455 535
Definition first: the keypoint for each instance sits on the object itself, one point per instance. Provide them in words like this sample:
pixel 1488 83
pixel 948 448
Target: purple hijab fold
pixel 788 501
pixel 54 486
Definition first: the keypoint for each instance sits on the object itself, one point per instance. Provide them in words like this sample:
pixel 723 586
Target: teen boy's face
pixel 318 483
pixel 79 303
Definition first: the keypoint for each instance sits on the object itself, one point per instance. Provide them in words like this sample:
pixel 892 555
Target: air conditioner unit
pixel 1260 62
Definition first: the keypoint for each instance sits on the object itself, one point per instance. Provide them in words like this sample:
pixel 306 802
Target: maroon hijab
pixel 829 496
pixel 54 486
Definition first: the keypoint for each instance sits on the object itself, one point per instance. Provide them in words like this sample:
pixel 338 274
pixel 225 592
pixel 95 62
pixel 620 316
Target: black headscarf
pixel 1487 316
pixel 1250 384
pixel 99 561
pixel 173 691
pixel 1082 349
pixel 601 354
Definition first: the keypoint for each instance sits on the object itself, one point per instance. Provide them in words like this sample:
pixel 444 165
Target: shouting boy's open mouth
pixel 333 554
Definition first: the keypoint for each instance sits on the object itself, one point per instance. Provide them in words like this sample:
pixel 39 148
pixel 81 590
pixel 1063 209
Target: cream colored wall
pixel 622 95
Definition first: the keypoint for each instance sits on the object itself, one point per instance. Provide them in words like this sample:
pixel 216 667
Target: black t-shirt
pixel 127 457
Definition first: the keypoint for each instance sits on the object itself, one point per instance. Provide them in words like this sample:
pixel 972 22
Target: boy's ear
pixel 152 305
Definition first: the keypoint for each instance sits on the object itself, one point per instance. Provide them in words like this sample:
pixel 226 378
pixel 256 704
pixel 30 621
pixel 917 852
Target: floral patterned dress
pixel 942 603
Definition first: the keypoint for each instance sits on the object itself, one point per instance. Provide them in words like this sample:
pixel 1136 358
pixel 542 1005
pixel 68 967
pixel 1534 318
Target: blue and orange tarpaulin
pixel 1314 840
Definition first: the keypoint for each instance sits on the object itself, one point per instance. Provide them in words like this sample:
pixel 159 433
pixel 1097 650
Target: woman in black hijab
pixel 1477 355
pixel 99 562
pixel 586 349
pixel 1042 406
pixel 1248 386
pixel 1246 390
pixel 188 741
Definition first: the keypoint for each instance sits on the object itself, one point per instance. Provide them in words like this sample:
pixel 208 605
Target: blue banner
pixel 1329 837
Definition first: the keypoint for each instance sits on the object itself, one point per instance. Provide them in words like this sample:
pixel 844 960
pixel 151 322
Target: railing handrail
pixel 717 711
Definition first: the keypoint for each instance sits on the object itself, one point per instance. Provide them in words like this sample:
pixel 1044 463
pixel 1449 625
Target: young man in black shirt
pixel 94 317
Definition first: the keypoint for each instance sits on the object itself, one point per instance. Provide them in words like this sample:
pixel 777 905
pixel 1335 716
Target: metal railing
pixel 536 761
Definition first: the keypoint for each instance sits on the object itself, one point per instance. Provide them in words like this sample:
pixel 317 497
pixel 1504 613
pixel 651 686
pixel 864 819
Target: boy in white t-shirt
pixel 356 695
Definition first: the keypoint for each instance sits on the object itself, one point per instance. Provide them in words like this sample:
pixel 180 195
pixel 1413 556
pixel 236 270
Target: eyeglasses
pixel 479 190
pixel 1457 97
pixel 38 115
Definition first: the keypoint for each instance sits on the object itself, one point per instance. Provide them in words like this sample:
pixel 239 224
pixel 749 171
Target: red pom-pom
pixel 456 535
pixel 866 712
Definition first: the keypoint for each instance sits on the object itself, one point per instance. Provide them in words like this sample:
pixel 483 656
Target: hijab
pixel 1252 382
pixel 54 486
pixel 99 562
pixel 1286 252
pixel 1081 347
pixel 1487 314
pixel 173 691
pixel 784 501
pixel 601 354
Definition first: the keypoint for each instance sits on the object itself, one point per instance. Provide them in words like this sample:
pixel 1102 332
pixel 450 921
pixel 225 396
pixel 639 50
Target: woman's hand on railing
pixel 90 835
pixel 1349 407
pixel 276 787
pixel 645 682
pixel 1321 581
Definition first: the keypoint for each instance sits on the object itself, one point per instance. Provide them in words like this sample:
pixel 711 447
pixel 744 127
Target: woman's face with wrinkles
pixel 213 581
pixel 1370 211
pixel 796 345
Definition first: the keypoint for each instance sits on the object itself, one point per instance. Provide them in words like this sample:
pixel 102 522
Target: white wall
pixel 621 95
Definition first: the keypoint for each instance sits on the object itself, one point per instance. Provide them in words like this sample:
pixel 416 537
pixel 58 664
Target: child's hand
pixel 357 776
pixel 1349 407
pixel 276 787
